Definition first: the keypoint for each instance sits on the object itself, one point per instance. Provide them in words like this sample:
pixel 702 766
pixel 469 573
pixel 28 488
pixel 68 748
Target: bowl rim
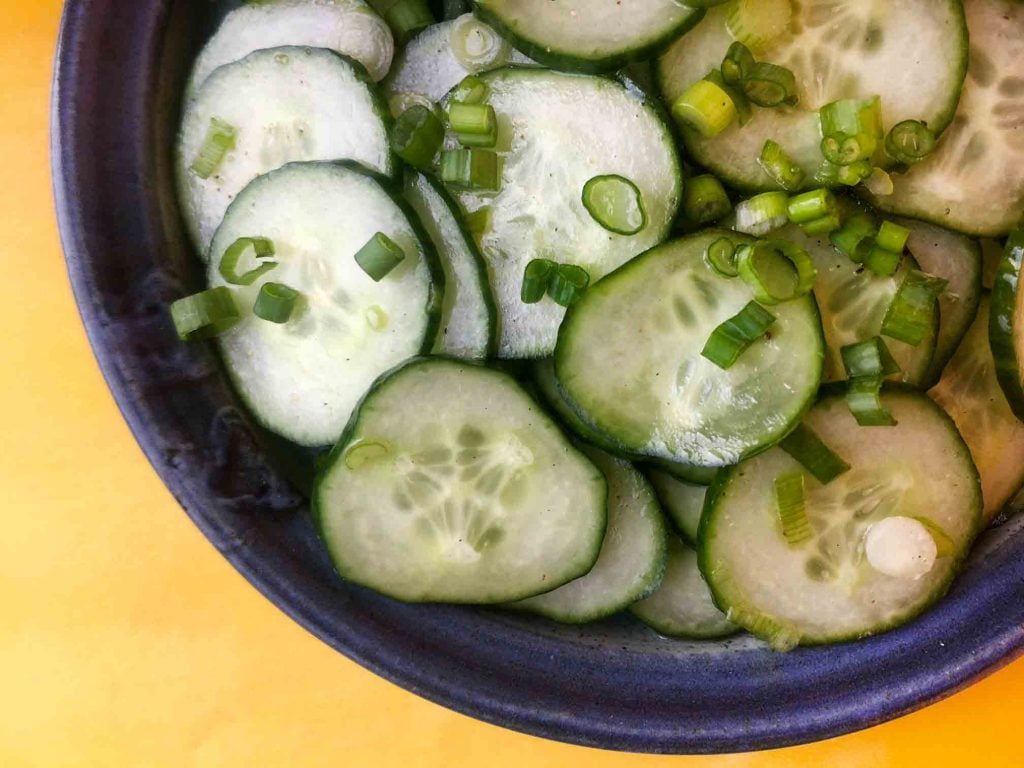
pixel 511 701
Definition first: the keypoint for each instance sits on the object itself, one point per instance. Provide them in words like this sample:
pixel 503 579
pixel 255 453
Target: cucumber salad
pixel 707 311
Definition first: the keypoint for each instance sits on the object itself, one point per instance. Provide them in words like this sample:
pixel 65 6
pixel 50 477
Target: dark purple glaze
pixel 120 68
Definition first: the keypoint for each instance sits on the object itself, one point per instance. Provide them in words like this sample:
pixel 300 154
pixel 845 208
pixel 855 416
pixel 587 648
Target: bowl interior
pixel 120 70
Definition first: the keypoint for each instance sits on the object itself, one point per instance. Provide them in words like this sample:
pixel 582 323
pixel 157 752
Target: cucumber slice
pixel 348 27
pixel 974 180
pixel 824 591
pixel 956 259
pixel 1006 328
pixel 451 485
pixel 588 35
pixel 560 131
pixel 468 317
pixel 912 53
pixel 303 378
pixel 682 606
pixel 853 302
pixel 629 358
pixel 632 558
pixel 683 502
pixel 428 68
pixel 970 393
pixel 285 104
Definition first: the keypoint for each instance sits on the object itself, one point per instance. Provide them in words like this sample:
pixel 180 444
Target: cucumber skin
pixel 433 308
pixel 566 62
pixel 1002 328
pixel 337 453
pixel 720 486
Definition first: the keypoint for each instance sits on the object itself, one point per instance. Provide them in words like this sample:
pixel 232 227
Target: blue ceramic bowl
pixel 120 69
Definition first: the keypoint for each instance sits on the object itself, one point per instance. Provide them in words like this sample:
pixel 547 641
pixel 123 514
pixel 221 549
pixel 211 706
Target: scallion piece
pixel 476 46
pixel 870 357
pixel 792 508
pixel 892 237
pixel 822 226
pixel 730 339
pixel 478 221
pixel 739 99
pixel 858 231
pixel 470 168
pixel 417 135
pixel 769 85
pixel 882 261
pixel 471 118
pixel 810 206
pixel 721 257
pixel 478 140
pixel 261 248
pixel 406 18
pixel 763 213
pixel 737 63
pixel 804 445
pixel 471 90
pixel 536 278
pixel 219 140
pixel 864 400
pixel 276 302
pixel 910 142
pixel 615 203
pixel 776 270
pixel 205 314
pixel 379 256
pixel 567 284
pixel 757 23
pixel 780 167
pixel 706 108
pixel 851 130
pixel 705 200
pixel 909 317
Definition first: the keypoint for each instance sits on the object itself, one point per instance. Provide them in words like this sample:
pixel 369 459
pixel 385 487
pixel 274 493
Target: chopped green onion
pixel 855 235
pixel 481 140
pixel 776 270
pixel 868 358
pixel 729 340
pixel 478 221
pixel 405 17
pixel 536 277
pixel 276 302
pixel 892 237
pixel 706 108
pixel 804 445
pixel 476 46
pixel 261 248
pixel 757 23
pixel 846 175
pixel 810 206
pixel 379 256
pixel 882 261
pixel 865 403
pixel 851 130
pixel 791 506
pixel 780 637
pixel 219 140
pixel 739 99
pixel 769 85
pixel 780 167
pixel 567 284
pixel 615 203
pixel 823 225
pixel 909 317
pixel 737 63
pixel 910 142
pixel 471 118
pixel 471 90
pixel 705 199
pixel 401 101
pixel 879 183
pixel 470 168
pixel 205 314
pixel 763 213
pixel 417 135
pixel 721 257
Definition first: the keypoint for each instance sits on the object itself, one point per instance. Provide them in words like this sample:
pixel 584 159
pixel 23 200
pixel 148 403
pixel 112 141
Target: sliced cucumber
pixel 468 318
pixel 303 378
pixel 683 502
pixel 560 131
pixel 956 259
pixel 632 558
pixel 682 606
pixel 451 485
pixel 970 393
pixel 285 104
pixel 1006 327
pixel 629 358
pixel 912 53
pixel 853 302
pixel 348 27
pixel 588 35
pixel 427 67
pixel 974 181
pixel 826 590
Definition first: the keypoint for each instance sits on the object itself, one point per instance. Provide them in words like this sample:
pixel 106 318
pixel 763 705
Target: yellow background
pixel 126 640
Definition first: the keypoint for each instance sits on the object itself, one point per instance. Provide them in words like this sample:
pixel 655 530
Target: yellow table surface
pixel 126 640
